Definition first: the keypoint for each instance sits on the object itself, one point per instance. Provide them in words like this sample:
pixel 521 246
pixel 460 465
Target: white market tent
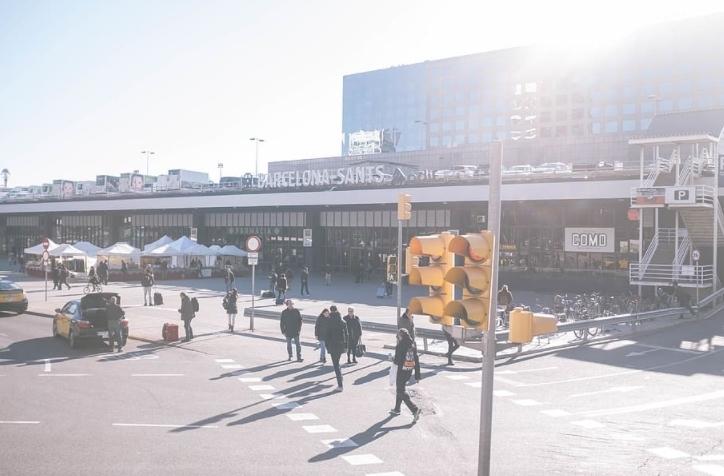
pixel 164 240
pixel 118 252
pixel 90 249
pixel 67 251
pixel 215 248
pixel 231 250
pixel 38 249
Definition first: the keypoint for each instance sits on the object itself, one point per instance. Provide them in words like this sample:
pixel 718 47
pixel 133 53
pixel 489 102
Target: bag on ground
pixel 170 332
pixel 381 292
pixel 157 299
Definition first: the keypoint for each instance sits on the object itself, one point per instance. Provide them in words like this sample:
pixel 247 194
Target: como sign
pixel 590 240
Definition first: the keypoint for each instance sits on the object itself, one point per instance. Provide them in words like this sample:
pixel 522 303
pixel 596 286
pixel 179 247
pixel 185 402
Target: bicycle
pixel 589 331
pixel 92 288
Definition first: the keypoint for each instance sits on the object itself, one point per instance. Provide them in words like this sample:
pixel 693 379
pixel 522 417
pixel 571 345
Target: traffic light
pixel 525 324
pixel 404 206
pixel 474 277
pixel 434 261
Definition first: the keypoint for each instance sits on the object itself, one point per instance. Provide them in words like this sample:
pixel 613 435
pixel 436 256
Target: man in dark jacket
pixel 305 281
pixel 147 282
pixel 354 330
pixel 405 362
pixel 187 314
pixel 291 325
pixel 114 315
pixel 281 286
pixel 336 340
pixel 103 272
pixel 320 331
pixel 405 322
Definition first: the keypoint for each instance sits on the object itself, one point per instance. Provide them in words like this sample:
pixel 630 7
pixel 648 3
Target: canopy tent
pixel 119 249
pixel 215 248
pixel 89 248
pixel 180 247
pixel 231 250
pixel 38 249
pixel 67 251
pixel 201 250
pixel 164 240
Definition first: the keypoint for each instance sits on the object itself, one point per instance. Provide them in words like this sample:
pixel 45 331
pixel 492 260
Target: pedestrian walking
pixel 281 287
pixel 102 270
pixel 327 276
pixel 55 273
pixel 229 278
pixel 147 282
pixel 63 276
pixel 354 330
pixel 505 299
pixel 114 314
pixel 305 281
pixel 187 314
pixel 291 325
pixel 320 330
pixel 229 304
pixel 336 339
pixel 124 269
pixel 406 322
pixel 405 362
pixel 452 346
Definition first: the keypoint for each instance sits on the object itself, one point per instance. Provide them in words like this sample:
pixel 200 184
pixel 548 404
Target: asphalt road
pixel 232 404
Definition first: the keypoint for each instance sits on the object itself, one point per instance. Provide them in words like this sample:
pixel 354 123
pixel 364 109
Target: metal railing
pixel 666 274
pixel 684 249
pixel 685 172
pixel 646 259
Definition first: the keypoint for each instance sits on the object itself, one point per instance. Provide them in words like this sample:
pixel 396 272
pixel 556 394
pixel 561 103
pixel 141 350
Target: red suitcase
pixel 170 332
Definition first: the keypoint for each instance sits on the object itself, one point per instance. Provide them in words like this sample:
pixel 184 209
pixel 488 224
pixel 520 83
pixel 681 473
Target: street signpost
pixel 695 256
pixel 46 257
pixel 253 245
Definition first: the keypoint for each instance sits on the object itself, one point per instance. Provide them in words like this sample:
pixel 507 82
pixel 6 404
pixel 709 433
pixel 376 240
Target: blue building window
pixel 629 125
pixel 612 126
pixel 596 127
pixel 629 108
pixel 612 110
pixel 645 124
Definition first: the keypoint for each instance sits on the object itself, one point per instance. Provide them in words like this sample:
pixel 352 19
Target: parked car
pixel 85 319
pixel 553 168
pixel 12 298
pixel 519 170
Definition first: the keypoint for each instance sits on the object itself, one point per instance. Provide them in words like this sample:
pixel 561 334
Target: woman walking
pixel 335 339
pixel 405 361
pixel 354 329
pixel 229 304
pixel 187 313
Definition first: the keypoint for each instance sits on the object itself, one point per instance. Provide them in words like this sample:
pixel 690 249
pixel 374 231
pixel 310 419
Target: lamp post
pixel 256 154
pixel 148 154
pixel 220 165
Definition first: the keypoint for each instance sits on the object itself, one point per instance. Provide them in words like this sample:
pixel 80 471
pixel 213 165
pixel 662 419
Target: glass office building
pixel 542 95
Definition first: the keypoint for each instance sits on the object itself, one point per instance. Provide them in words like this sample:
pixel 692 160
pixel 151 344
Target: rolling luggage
pixel 170 332
pixel 381 292
pixel 157 299
pixel 267 294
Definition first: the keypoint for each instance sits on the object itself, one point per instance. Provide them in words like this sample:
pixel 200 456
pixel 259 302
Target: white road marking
pixel 285 405
pixel 710 458
pixel 457 377
pixel 670 349
pixel 503 393
pixel 319 429
pixel 302 416
pixel 527 402
pixel 232 366
pixel 474 384
pixel 390 473
pixel 710 469
pixel 157 375
pixel 655 405
pixel 47 367
pixel 358 460
pixel 340 443
pixel 270 396
pixel 258 388
pixel 524 371
pixel 249 379
pixel 615 344
pixel 18 422
pixel 643 352
pixel 590 424
pixel 555 413
pixel 668 453
pixel 63 375
pixel 156 425
pixel 223 361
pixel 508 381
pixel 621 389
pixel 696 423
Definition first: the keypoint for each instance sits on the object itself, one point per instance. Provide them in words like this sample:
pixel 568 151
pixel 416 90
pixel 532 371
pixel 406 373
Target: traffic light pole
pixel 486 400
pixel 399 263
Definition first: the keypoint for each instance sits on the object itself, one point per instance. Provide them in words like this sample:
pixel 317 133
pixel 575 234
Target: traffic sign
pixel 46 255
pixel 695 255
pixel 46 243
pixel 253 244
pixel 252 258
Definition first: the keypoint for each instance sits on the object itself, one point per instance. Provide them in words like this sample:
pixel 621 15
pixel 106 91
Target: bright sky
pixel 86 85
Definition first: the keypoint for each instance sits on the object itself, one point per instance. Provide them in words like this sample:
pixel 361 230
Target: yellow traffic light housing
pixel 474 278
pixel 524 325
pixel 404 206
pixel 441 292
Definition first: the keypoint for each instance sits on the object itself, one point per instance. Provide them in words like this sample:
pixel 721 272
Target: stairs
pixel 700 225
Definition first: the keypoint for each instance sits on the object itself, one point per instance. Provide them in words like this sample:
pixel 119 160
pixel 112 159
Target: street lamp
pixel 221 168
pixel 256 155
pixel 148 154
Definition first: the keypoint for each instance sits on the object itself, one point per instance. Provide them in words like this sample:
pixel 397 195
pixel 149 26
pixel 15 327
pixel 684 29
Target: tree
pixel 5 173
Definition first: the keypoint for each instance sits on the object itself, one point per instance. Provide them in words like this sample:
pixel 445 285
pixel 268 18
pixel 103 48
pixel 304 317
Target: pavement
pixel 232 404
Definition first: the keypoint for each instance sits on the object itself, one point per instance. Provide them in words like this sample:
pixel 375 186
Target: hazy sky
pixel 86 85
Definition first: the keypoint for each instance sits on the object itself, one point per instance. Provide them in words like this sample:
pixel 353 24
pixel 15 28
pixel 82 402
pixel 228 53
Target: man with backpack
pixel 147 282
pixel 405 362
pixel 188 310
pixel 291 325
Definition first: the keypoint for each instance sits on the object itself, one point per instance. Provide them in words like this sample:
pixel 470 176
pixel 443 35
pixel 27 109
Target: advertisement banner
pixel 590 240
pixel 650 197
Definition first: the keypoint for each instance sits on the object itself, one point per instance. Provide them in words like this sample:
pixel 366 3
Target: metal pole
pixel 399 263
pixel 256 158
pixel 253 292
pixel 45 268
pixel 486 400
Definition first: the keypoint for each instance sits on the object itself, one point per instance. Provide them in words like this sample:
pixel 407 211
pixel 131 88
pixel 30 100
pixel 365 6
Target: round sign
pixel 46 243
pixel 46 255
pixel 695 255
pixel 253 243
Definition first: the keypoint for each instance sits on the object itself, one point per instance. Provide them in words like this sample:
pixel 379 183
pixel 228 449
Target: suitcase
pixel 267 294
pixel 381 292
pixel 157 299
pixel 170 332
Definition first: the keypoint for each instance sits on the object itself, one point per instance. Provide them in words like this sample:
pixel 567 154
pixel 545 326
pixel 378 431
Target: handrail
pixel 646 259
pixel 701 275
pixel 684 250
pixel 685 172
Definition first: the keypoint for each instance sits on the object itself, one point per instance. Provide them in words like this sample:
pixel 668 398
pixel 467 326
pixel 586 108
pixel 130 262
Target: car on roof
pixel 12 298
pixel 519 170
pixel 85 319
pixel 553 168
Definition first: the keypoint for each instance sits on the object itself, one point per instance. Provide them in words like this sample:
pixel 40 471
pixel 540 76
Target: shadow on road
pixel 34 351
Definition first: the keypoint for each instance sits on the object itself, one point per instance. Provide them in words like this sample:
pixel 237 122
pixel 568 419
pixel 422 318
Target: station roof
pixel 684 126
